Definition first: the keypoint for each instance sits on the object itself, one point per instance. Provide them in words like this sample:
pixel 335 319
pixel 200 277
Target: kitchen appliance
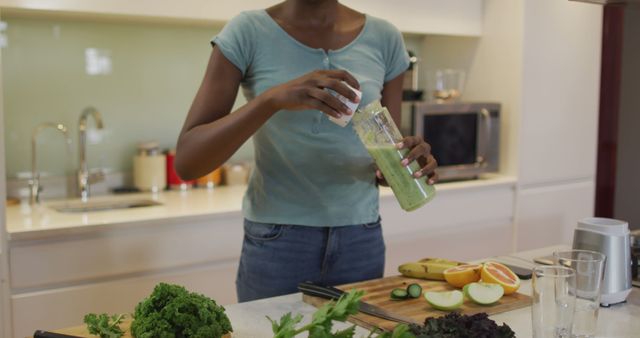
pixel 464 137
pixel 149 168
pixel 611 238
pixel 635 256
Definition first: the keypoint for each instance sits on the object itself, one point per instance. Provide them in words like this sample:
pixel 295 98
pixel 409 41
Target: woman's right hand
pixel 308 92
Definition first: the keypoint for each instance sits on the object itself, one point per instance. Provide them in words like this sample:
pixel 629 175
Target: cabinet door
pixel 126 251
pixel 548 215
pixel 64 307
pixel 561 85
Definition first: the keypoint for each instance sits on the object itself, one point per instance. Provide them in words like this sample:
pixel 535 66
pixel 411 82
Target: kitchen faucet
pixel 84 178
pixel 34 183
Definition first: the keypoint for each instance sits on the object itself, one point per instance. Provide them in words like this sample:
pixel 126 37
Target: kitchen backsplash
pixel 141 76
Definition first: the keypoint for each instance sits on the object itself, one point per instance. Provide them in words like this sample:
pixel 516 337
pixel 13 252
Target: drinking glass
pixel 589 267
pixel 553 301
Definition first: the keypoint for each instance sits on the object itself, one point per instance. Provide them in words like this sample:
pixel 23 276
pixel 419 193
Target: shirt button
pixel 315 128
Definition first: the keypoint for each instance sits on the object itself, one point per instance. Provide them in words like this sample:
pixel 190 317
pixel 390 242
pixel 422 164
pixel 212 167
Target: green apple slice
pixel 444 300
pixel 484 293
pixel 465 290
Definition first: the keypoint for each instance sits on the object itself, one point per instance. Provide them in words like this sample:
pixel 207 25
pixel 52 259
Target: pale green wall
pixel 156 71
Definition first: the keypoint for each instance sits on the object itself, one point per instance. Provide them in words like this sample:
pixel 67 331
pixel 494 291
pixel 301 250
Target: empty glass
pixel 553 301
pixel 589 267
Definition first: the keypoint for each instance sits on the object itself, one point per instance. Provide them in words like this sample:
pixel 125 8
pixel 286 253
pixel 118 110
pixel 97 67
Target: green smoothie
pixel 411 193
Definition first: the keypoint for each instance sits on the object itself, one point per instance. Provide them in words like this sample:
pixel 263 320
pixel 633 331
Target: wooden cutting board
pixel 81 331
pixel 378 290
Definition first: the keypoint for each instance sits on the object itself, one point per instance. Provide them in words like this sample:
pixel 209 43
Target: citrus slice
pixel 444 300
pixel 462 275
pixel 493 272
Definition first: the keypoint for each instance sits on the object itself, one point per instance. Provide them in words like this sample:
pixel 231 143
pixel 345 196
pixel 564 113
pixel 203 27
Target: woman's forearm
pixel 205 147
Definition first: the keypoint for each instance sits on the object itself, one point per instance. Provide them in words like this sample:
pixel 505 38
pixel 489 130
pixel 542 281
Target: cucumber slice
pixel 484 293
pixel 399 294
pixel 414 290
pixel 445 300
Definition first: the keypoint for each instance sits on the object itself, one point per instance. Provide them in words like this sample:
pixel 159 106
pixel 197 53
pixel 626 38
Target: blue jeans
pixel 275 258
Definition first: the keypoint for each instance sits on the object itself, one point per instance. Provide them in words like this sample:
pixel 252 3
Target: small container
pixel 379 134
pixel 236 174
pixel 149 173
pixel 446 85
pixel 344 119
pixel 173 179
pixel 211 179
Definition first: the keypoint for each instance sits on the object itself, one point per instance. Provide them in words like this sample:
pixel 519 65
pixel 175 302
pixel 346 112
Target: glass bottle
pixel 379 134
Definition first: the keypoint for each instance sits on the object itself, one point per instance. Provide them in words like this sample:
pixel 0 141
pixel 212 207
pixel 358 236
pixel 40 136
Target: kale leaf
pixel 455 325
pixel 173 312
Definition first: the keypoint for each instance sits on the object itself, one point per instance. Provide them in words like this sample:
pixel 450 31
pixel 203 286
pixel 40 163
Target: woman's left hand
pixel 419 151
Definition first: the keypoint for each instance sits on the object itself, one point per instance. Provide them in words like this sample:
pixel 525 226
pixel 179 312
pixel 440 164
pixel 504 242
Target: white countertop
pixel 249 321
pixel 24 222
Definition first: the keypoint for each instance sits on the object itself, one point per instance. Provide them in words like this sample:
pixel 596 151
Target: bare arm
pixel 392 97
pixel 211 134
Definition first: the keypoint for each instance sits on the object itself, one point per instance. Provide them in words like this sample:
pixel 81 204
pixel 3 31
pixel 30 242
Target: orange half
pixel 494 272
pixel 462 275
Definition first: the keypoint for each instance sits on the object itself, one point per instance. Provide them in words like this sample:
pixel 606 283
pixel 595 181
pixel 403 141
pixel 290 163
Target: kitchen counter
pixel 249 319
pixel 26 223
pixel 618 321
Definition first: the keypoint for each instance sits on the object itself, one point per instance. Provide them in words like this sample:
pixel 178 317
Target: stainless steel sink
pixel 103 205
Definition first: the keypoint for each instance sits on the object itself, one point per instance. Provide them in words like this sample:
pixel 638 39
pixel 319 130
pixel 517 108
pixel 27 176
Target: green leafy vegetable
pixel 400 331
pixel 322 320
pixel 104 325
pixel 173 312
pixel 455 325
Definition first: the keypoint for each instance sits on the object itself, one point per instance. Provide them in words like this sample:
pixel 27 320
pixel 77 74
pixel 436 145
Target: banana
pixel 441 261
pixel 427 268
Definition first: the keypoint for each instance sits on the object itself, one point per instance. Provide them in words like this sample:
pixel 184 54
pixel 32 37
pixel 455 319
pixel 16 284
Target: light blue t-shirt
pixel 308 170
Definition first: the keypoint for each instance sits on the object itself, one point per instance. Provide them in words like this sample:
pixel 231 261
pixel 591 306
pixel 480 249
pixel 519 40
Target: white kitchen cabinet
pixel 130 250
pixel 66 306
pixel 560 86
pixel 548 215
pixel 449 17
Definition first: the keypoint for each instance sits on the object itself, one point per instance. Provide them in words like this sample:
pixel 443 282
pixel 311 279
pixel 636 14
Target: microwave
pixel 464 137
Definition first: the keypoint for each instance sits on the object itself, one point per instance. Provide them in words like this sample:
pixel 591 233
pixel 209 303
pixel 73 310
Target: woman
pixel 311 208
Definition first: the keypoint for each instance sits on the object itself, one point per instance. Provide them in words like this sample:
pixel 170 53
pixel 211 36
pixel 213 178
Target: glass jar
pixel 379 134
pixel 149 168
